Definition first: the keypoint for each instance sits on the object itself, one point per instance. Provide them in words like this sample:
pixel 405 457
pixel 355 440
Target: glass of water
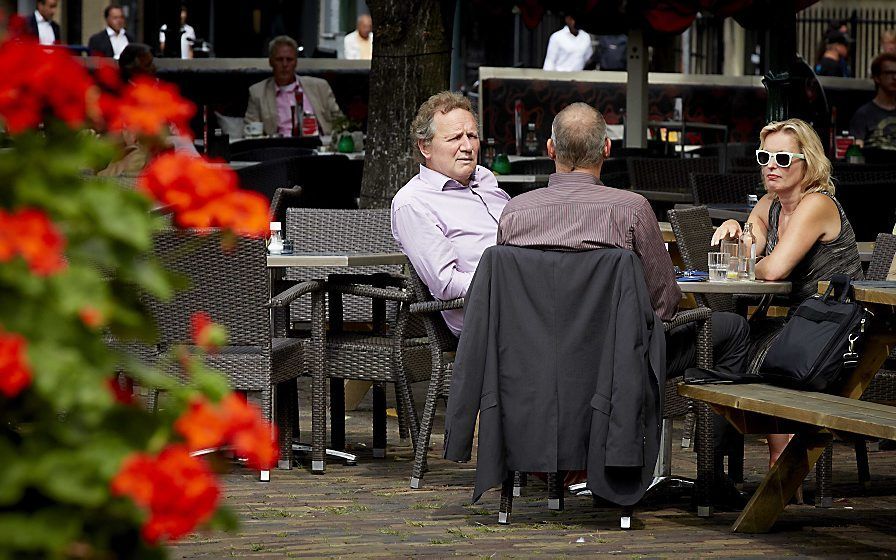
pixel 718 266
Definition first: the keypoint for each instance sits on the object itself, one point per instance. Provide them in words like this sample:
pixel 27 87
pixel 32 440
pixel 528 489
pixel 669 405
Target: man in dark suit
pixel 41 24
pixel 113 39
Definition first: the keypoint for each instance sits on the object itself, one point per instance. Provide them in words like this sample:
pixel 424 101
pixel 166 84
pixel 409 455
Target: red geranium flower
pixel 186 183
pixel 91 317
pixel 234 422
pixel 148 106
pixel 15 374
pixel 178 490
pixel 243 212
pixel 122 395
pixel 35 80
pixel 207 334
pixel 30 234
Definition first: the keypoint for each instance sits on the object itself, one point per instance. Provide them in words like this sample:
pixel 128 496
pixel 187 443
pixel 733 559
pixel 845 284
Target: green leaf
pixel 45 530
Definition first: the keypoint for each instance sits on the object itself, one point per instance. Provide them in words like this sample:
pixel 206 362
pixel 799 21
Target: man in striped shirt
pixel 576 212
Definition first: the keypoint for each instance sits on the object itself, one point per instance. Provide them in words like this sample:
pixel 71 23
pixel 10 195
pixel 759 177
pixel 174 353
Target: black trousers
pixel 730 343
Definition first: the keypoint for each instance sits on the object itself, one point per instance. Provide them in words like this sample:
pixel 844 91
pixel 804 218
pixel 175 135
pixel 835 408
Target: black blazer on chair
pixel 564 360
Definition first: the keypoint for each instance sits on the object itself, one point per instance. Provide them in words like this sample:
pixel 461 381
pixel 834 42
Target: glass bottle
pixel 854 154
pixel 748 251
pixel 488 155
pixel 275 244
pixel 531 140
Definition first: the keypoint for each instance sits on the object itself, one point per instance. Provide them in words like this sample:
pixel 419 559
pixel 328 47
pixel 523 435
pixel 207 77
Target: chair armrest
pixel 392 294
pixel 289 295
pixel 379 280
pixel 437 305
pixel 697 315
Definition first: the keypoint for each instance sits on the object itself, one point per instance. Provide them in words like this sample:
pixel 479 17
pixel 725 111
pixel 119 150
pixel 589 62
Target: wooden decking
pixel 368 511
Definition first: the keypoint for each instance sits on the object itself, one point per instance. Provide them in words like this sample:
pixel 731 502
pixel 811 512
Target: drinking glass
pixel 734 267
pixel 730 247
pixel 718 266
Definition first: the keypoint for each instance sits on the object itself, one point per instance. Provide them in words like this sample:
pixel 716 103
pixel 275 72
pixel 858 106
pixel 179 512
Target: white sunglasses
pixel 782 159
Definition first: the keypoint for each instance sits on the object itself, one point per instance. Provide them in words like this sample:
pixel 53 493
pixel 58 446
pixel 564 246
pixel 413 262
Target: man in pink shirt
pixel 447 215
pixel 271 101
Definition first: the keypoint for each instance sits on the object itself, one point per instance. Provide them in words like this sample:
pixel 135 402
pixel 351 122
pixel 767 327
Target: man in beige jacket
pixel 271 100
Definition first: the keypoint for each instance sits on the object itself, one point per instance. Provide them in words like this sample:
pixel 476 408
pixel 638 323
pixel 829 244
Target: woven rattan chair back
pixel 537 166
pixel 882 257
pixel 230 284
pixel 265 177
pixel 327 181
pixel 668 174
pixel 717 188
pixel 340 231
pixel 693 231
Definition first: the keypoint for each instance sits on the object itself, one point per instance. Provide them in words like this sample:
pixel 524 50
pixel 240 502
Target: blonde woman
pixel 800 227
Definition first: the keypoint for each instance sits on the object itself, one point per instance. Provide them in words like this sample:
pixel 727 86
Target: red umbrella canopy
pixel 674 16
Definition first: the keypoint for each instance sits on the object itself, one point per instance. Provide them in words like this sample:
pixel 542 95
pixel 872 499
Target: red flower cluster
pixel 35 80
pixel 180 491
pixel 234 422
pixel 30 234
pixel 203 195
pixel 15 374
pixel 206 334
pixel 147 106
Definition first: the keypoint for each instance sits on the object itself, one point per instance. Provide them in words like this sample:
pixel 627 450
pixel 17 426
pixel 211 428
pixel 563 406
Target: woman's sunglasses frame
pixel 774 155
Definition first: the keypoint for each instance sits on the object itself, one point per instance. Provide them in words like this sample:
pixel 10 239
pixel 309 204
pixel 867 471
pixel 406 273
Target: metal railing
pixel 865 27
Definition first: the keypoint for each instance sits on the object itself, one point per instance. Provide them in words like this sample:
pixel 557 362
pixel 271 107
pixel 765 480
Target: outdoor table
pixel 755 409
pixel 276 265
pixel 742 287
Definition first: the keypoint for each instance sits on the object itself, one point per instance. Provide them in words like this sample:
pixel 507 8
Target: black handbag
pixel 819 345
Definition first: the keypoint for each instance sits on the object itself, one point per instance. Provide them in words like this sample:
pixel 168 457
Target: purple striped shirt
pixel 576 212
pixel 444 227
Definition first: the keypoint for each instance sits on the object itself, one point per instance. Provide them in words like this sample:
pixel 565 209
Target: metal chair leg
pixel 862 463
pixel 823 472
pixel 379 420
pixel 519 481
pixel 506 499
pixel 555 491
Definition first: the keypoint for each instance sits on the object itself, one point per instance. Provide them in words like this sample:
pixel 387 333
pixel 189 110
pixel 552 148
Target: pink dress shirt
pixel 286 99
pixel 444 227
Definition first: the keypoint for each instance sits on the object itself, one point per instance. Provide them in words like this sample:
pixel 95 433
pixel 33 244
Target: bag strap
pixel 838 286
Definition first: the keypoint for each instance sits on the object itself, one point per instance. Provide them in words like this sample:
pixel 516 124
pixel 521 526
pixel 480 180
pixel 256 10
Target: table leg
pixel 337 413
pixel 781 482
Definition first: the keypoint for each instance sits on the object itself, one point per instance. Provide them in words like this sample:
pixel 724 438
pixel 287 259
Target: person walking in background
pixel 874 124
pixel 41 24
pixel 888 41
pixel 834 61
pixel 358 45
pixel 114 38
pixel 569 48
pixel 187 35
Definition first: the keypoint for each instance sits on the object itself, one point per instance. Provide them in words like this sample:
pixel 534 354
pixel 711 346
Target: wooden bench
pixel 814 417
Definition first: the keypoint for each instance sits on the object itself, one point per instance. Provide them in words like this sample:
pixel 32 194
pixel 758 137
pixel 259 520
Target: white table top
pixel 735 287
pixel 335 259
pixel 521 178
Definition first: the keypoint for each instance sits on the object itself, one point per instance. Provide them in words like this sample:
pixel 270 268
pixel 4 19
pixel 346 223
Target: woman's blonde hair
pixel 818 167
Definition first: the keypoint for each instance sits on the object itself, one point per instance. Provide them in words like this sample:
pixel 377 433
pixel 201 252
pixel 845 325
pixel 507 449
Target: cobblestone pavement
pixel 369 511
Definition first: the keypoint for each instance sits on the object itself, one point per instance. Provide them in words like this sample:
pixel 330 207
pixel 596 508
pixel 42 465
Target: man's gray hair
pixel 423 128
pixel 579 132
pixel 282 40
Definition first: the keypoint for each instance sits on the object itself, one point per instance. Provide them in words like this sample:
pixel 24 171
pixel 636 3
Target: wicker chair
pixel 668 174
pixel 693 231
pixel 716 188
pixel 442 346
pixel 233 287
pixel 385 354
pixel 883 386
pixel 538 166
pixel 246 144
pixel 265 177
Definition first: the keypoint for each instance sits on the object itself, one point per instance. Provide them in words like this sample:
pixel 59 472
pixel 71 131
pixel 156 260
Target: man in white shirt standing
pixel 568 49
pixel 41 23
pixel 359 43
pixel 187 35
pixel 113 39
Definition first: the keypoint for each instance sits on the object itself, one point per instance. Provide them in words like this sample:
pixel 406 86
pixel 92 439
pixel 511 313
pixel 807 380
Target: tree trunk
pixel 411 61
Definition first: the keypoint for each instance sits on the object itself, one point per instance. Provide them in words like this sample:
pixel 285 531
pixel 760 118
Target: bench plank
pixel 815 409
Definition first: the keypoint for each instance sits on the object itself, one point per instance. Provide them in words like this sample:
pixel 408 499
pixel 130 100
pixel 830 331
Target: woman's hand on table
pixel 730 229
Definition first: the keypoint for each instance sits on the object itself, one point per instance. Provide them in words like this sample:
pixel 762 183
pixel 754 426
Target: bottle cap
pixel 275 226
